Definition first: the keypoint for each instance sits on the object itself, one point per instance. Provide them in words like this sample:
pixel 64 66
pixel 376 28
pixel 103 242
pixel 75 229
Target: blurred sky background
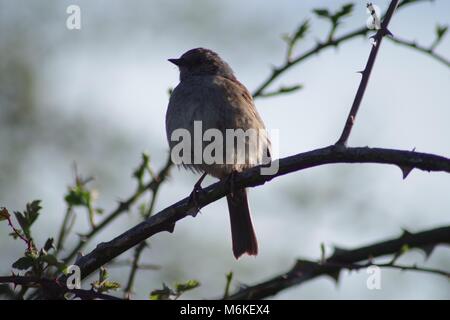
pixel 98 97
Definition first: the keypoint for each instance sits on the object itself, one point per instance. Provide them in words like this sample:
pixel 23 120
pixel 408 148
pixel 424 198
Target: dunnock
pixel 209 92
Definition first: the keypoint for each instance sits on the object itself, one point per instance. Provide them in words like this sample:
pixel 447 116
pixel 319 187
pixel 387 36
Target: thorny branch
pixel 290 61
pixel 17 232
pixel 165 220
pixel 391 265
pixel 121 208
pixel 366 74
pixel 341 259
pixel 428 51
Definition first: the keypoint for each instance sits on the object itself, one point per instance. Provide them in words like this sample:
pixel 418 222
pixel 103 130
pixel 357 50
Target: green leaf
pixel 103 274
pixel 139 172
pixel 24 263
pixel 78 196
pixel 301 31
pixel 335 18
pixel 32 211
pixel 102 284
pixel 52 260
pixel 162 294
pixel 109 285
pixel 346 9
pixel 145 158
pixel 405 248
pixel 105 286
pixel 440 32
pixel 49 244
pixel 188 285
pixel 283 90
pixel 28 217
pixel 22 222
pixel 324 13
pixel 143 210
pixel 229 277
pixel 167 294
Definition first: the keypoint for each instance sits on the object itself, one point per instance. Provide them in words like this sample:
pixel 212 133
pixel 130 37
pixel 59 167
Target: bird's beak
pixel 175 61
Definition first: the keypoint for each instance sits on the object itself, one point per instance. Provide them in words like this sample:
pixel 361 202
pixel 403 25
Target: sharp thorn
pixel 406 170
pixel 335 276
pixel 428 250
pixel 193 212
pixel 170 227
pixel 406 233
pixel 338 251
pixel 388 32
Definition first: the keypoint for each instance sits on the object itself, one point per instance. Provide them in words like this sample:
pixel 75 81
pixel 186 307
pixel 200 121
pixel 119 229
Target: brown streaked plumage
pixel 209 92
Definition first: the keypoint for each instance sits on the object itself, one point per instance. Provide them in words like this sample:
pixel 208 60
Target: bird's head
pixel 202 62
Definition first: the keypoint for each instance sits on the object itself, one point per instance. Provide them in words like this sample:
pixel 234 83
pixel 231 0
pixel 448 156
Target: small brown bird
pixel 210 93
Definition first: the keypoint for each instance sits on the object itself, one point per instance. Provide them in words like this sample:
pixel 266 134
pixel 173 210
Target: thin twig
pixel 128 290
pixel 27 241
pixel 319 47
pixel 366 74
pixel 121 208
pixel 278 71
pixel 63 231
pixel 428 51
pixel 140 248
pixel 229 277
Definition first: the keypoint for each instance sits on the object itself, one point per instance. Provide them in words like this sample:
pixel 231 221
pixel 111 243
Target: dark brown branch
pixel 391 265
pixel 134 268
pixel 276 72
pixel 28 242
pixel 366 74
pixel 165 220
pixel 65 228
pixel 343 259
pixel 53 289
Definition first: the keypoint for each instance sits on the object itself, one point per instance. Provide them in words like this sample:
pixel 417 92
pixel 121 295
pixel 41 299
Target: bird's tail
pixel 242 233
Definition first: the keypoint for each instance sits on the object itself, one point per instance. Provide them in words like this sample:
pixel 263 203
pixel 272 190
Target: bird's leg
pixel 193 197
